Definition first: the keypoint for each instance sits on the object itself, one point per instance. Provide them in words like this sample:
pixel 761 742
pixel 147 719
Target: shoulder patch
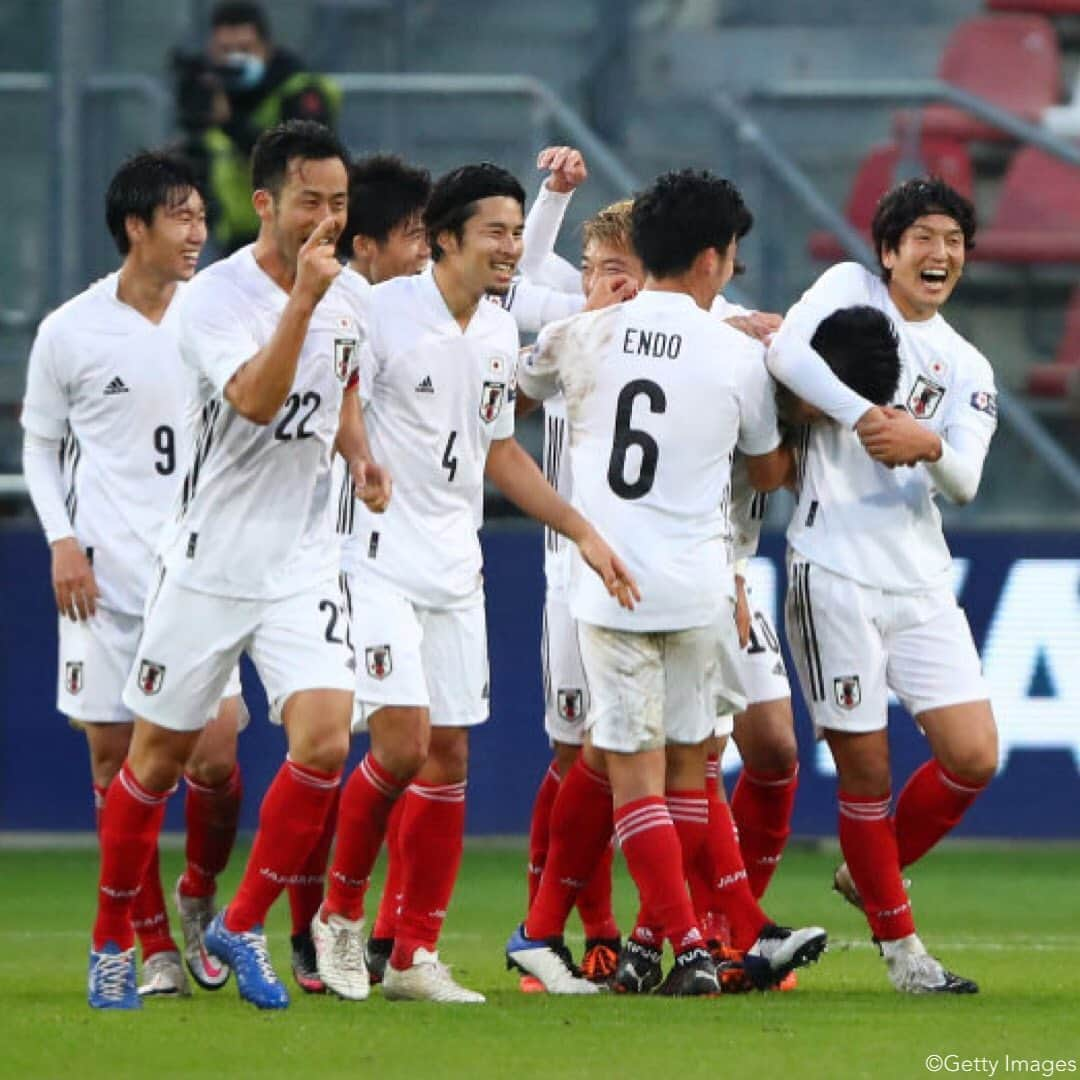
pixel 985 402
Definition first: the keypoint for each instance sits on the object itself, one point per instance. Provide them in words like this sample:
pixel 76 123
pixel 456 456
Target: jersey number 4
pixel 627 436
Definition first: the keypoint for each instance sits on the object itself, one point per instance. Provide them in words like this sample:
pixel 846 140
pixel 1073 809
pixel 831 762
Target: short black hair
pixel 279 145
pixel 861 346
pixel 241 13
pixel 384 192
pixel 455 195
pixel 684 213
pixel 904 204
pixel 150 179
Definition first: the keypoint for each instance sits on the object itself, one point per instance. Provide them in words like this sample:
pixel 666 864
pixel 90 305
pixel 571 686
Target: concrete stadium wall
pixel 1021 592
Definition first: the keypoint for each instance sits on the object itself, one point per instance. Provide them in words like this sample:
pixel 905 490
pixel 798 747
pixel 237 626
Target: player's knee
pixel 779 753
pixel 210 772
pixel 975 764
pixel 448 757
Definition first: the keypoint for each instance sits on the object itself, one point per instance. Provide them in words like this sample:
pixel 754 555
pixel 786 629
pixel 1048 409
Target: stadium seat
pixel 1050 8
pixel 1038 213
pixel 1063 375
pixel 1013 61
pixel 878 171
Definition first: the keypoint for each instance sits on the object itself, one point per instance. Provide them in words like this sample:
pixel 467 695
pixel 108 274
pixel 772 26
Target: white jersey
pixel 435 398
pixel 747 512
pixel 862 520
pixel 357 290
pixel 255 519
pixel 658 395
pixel 111 384
pixel 557 471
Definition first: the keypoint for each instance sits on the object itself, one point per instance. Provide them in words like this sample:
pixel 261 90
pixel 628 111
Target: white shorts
pixel 192 642
pixel 435 658
pixel 566 694
pixel 761 667
pixel 649 689
pixel 96 657
pixel 853 643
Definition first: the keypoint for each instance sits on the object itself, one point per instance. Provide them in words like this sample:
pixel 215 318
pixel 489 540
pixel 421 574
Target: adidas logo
pixel 425 386
pixel 116 386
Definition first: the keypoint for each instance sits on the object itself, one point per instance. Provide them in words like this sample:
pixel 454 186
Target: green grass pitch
pixel 1007 917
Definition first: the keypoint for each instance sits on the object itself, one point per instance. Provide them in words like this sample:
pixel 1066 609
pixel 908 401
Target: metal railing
pixel 783 169
pixel 549 109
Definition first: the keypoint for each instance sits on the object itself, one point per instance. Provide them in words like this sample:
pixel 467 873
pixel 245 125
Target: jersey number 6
pixel 626 436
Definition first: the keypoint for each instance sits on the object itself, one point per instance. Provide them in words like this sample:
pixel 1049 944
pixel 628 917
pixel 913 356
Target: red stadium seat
pixel 1038 214
pixel 1013 61
pixel 877 173
pixel 1050 8
pixel 1063 375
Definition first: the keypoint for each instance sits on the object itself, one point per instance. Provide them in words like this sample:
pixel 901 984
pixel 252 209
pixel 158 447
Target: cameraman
pixel 243 85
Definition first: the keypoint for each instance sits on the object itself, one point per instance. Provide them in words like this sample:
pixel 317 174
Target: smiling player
pixel 870 605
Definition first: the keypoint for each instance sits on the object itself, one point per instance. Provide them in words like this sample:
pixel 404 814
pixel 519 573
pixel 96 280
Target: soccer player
pixel 105 441
pixel 870 605
pixel 658 395
pixel 384 237
pixel 437 376
pixel 250 563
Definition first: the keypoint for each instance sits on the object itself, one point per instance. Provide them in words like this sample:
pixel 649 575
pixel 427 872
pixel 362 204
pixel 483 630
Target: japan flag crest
pixel 73 676
pixel 924 398
pixel 491 401
pixel 151 677
pixel 570 704
pixel 847 691
pixel 379 661
pixel 344 348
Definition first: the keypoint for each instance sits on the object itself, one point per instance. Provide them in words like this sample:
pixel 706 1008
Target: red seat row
pixel 1063 375
pixel 1038 213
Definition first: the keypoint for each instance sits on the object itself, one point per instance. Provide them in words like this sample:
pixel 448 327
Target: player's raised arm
pixel 519 478
pixel 259 387
pixel 793 361
pixel 566 168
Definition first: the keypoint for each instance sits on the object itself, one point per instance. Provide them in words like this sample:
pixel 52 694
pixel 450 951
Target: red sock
pixel 149 915
pixel 291 820
pixel 130 822
pixel 761 805
pixel 580 828
pixel 868 841
pixel 431 841
pixel 731 895
pixel 538 827
pixel 594 902
pixel 390 904
pixel 712 776
pixel 932 803
pixel 211 814
pixel 306 893
pixel 366 802
pixel 650 845
pixel 690 814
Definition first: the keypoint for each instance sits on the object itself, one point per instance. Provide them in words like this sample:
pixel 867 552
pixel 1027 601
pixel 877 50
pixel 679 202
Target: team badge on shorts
pixel 379 661
pixel 847 692
pixel 924 398
pixel 344 348
pixel 491 400
pixel 151 677
pixel 571 704
pixel 73 676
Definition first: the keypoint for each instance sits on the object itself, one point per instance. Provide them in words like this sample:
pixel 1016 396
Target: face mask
pixel 245 70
